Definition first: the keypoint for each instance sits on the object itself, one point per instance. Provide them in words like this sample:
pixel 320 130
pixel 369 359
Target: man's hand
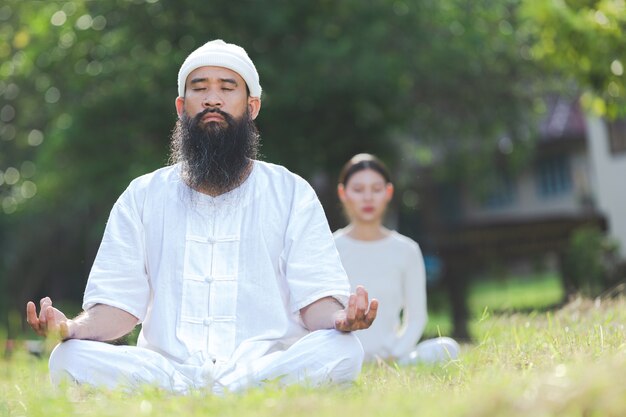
pixel 359 314
pixel 50 322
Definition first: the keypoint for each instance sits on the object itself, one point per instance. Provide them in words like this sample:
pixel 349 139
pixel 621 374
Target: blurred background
pixel 503 122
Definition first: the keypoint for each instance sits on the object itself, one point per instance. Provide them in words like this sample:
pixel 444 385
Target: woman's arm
pixel 415 310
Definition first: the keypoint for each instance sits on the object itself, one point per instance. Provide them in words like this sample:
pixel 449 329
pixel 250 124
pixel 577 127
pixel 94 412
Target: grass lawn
pixel 516 293
pixel 568 362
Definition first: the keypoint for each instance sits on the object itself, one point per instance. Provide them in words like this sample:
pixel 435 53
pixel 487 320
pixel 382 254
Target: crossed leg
pixel 323 356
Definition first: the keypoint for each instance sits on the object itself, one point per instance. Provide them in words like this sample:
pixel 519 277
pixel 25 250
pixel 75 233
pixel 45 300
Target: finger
pixel 64 330
pixel 44 303
pixel 362 292
pixel 371 314
pixel 31 316
pixel 351 313
pixel 340 320
pixel 361 303
pixel 51 320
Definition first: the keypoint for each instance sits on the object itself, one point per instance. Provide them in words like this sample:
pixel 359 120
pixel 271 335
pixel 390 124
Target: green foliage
pixel 89 90
pixel 583 42
pixel 586 262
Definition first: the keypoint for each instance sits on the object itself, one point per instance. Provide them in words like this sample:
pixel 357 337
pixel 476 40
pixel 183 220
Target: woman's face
pixel 365 196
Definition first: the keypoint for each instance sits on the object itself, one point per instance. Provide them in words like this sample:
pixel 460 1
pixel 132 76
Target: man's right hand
pixel 50 322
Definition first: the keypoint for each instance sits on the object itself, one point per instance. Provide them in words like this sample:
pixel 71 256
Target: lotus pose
pixel 226 261
pixel 389 264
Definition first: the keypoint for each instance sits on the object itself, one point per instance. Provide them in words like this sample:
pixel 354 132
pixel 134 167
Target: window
pixel 553 176
pixel 617 136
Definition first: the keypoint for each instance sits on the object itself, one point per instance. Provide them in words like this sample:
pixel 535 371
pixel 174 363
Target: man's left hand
pixel 359 314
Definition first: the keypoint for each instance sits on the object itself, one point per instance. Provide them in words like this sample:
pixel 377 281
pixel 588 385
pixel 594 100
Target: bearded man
pixel 226 261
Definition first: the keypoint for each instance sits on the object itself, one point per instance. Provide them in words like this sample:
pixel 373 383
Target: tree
pixel 90 88
pixel 581 42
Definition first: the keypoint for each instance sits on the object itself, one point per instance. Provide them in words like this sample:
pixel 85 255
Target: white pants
pixel 440 349
pixel 323 356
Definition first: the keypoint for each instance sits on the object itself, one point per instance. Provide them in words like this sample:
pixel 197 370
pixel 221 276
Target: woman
pixel 389 265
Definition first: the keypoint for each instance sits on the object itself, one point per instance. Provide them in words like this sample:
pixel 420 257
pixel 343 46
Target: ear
pixel 388 192
pixel 341 192
pixel 180 104
pixel 254 106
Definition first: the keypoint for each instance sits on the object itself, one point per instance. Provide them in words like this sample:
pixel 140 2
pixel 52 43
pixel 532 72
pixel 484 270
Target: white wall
pixel 608 180
pixel 529 203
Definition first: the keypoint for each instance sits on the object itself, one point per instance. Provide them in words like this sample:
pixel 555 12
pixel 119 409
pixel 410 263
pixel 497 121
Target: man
pixel 228 262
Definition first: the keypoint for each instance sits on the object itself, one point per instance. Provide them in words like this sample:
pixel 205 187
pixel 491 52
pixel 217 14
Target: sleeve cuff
pixel 87 304
pixel 340 296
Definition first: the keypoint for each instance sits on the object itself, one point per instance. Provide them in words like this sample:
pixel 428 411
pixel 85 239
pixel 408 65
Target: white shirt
pixel 392 270
pixel 219 279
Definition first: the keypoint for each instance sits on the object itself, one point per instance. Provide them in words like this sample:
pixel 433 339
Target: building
pixel 576 177
pixel 606 153
pixel 578 170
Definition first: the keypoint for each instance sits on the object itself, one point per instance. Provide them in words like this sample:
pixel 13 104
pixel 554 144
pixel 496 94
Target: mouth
pixel 368 209
pixel 212 117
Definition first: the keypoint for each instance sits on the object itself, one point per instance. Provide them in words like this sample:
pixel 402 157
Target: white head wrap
pixel 221 54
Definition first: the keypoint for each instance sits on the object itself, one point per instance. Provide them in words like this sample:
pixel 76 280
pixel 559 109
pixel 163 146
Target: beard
pixel 213 157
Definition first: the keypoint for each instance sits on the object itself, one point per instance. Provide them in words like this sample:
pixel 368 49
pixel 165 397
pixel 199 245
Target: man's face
pixel 218 88
pixel 215 136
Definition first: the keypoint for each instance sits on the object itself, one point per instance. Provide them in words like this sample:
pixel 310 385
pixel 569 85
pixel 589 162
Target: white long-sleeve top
pixel 392 270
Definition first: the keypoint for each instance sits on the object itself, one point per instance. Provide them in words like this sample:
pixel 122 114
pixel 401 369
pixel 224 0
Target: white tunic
pixel 217 280
pixel 392 270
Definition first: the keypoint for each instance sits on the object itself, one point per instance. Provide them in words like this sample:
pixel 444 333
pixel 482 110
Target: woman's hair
pixel 361 162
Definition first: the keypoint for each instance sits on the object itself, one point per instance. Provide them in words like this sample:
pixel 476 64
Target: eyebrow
pixel 222 80
pixel 357 184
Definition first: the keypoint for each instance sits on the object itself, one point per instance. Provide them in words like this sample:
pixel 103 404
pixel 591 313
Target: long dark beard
pixel 214 158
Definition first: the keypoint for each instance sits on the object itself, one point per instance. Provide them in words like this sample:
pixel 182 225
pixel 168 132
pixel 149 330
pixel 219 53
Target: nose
pixel 212 99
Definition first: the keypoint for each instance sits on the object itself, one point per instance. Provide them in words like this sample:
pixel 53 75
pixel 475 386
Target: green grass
pixel 516 293
pixel 568 362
